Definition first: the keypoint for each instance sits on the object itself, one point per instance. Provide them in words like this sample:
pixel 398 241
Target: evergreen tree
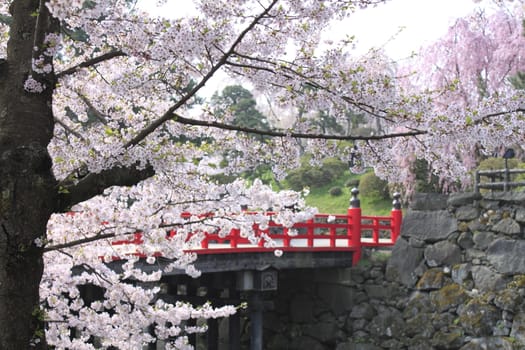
pixel 241 105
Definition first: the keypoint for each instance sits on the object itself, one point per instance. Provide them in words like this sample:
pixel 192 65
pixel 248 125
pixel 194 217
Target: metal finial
pixel 396 202
pixel 354 201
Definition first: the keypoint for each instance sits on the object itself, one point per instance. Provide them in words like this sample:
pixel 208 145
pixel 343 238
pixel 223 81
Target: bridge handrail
pixel 324 232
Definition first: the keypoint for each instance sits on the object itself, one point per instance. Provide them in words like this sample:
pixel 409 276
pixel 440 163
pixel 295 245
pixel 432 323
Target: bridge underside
pixel 214 263
pixel 230 279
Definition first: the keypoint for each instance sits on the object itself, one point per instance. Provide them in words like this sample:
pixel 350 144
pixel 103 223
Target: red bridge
pixel 348 232
pixel 234 270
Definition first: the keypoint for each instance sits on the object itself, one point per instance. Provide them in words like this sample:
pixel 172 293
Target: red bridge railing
pixel 324 232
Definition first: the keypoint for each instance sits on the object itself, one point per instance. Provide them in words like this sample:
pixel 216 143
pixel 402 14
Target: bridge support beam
pixel 256 321
pixel 234 332
pixel 213 334
pixel 234 325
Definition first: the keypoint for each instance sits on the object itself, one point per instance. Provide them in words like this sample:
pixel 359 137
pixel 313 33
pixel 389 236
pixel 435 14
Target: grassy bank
pixel 320 197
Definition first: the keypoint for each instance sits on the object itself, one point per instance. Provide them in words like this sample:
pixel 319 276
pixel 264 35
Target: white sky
pixel 423 21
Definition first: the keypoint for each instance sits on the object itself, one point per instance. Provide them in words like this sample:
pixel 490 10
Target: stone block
pixel 442 253
pixel 340 299
pixel 507 256
pixel 477 317
pixel 450 296
pixel 357 346
pixel 508 300
pixel 448 339
pixel 418 303
pixel 465 240
pixel 483 239
pixel 461 273
pixel 387 323
pixel 520 215
pixel 443 320
pixel 430 226
pixel 432 279
pixel 428 201
pixel 420 325
pixel 363 311
pixel 507 226
pixel 509 197
pixel 321 331
pixel 467 213
pixel 518 328
pixel 500 343
pixel 403 262
pixel 459 199
pixel 301 309
pixel 486 279
pixel 379 291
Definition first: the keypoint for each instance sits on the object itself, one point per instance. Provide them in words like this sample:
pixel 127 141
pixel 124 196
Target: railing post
pixel 507 177
pixel 205 240
pixel 397 217
pixel 310 233
pixel 354 225
pixel 477 182
pixel 286 237
pixel 235 233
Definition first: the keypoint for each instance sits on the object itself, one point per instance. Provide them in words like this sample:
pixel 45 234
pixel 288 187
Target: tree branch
pixel 308 81
pixel 486 117
pixel 223 126
pixel 169 113
pixel 78 242
pixel 96 113
pixel 95 184
pixel 91 62
pixel 68 129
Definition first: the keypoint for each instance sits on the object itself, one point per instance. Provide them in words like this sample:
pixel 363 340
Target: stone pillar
pixel 234 325
pixel 256 321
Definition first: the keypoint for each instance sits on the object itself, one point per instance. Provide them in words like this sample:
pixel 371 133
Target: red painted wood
pixel 348 232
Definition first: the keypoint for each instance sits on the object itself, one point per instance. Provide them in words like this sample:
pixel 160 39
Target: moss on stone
pixel 478 317
pixel 451 339
pixel 431 279
pixel 463 226
pixel 449 296
pixel 508 299
pixel 518 281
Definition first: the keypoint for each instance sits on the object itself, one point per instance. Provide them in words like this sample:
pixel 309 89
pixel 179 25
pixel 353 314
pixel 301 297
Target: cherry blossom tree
pixel 468 68
pixel 102 135
pixel 476 57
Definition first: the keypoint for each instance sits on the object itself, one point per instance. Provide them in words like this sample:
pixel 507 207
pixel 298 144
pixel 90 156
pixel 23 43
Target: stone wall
pixel 454 280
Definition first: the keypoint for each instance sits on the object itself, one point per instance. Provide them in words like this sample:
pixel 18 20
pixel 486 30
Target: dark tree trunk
pixel 27 183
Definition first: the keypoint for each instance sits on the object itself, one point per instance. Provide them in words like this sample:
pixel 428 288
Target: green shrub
pixel 303 177
pixel 426 182
pixel 223 178
pixel 335 167
pixel 352 183
pixel 497 164
pixel 373 187
pixel 295 179
pixel 316 177
pixel 335 191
